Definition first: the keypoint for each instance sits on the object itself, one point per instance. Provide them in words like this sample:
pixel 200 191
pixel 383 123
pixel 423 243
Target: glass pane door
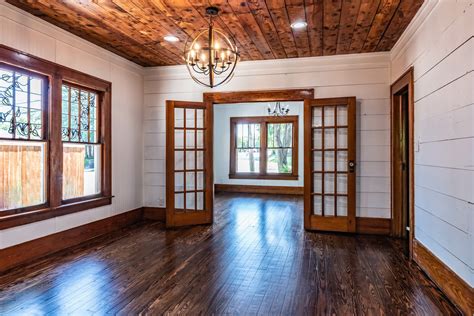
pixel 189 157
pixel 330 189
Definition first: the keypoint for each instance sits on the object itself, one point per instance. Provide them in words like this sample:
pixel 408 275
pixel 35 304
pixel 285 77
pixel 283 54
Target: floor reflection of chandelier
pixel 212 56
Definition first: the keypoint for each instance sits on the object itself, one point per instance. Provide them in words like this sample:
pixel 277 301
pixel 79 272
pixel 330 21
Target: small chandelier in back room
pixel 211 57
pixel 278 109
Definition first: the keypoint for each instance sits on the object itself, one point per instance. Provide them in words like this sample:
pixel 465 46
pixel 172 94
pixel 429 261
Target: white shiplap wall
pixel 365 76
pixel 440 46
pixel 32 35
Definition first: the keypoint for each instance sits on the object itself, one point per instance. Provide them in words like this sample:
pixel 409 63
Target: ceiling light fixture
pixel 211 56
pixel 278 109
pixel 171 38
pixel 299 25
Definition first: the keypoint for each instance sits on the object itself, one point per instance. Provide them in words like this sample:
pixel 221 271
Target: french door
pixel 189 177
pixel 330 153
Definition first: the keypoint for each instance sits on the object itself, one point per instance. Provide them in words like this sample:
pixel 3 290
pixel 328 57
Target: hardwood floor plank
pixel 255 259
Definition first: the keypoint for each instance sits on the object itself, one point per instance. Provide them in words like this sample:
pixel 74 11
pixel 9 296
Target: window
pixel 264 148
pixel 22 139
pixel 55 140
pixel 81 147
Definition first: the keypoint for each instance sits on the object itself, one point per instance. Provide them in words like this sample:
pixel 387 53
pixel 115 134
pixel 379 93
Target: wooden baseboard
pixel 455 288
pixel 26 252
pixel 262 189
pixel 155 213
pixel 373 226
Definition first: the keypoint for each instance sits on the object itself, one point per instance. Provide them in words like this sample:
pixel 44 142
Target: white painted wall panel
pixel 364 76
pixel 34 36
pixel 440 47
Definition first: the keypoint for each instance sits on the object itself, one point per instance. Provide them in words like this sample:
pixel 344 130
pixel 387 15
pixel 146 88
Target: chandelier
pixel 278 109
pixel 211 57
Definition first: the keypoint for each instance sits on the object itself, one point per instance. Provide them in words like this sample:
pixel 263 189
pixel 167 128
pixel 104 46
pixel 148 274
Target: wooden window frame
pixel 264 121
pixel 56 75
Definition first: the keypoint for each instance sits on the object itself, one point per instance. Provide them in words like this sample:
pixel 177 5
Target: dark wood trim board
pixel 455 288
pixel 26 252
pixel 262 189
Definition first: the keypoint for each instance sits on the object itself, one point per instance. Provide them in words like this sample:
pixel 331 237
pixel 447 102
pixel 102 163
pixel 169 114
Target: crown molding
pixel 420 17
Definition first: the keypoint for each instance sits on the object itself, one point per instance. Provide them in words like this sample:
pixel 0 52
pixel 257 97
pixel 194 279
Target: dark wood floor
pixel 255 259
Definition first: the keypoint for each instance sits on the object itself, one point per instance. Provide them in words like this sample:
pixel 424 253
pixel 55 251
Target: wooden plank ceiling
pixel 135 29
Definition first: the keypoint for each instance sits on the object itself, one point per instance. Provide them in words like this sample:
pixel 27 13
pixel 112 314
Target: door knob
pixel 351 166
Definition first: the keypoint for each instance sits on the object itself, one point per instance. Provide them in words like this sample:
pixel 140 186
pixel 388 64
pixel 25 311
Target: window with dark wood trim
pixel 264 147
pixel 55 137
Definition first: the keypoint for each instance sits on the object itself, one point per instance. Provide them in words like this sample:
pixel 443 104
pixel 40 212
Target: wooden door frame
pixel 286 95
pixel 405 81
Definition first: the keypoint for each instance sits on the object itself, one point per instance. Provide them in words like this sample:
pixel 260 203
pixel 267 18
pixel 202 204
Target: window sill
pixel 263 176
pixel 29 217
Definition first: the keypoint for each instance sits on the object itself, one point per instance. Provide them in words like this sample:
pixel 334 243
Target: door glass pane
pixel 200 180
pixel 342 161
pixel 179 139
pixel 178 160
pixel 190 160
pixel 190 122
pixel 179 117
pixel 317 139
pixel 329 206
pixel 317 117
pixel 341 115
pixel 341 206
pixel 342 137
pixel 179 181
pixel 200 159
pixel 190 141
pixel 329 115
pixel 190 181
pixel 329 183
pixel 342 183
pixel 329 161
pixel 200 201
pixel 179 200
pixel 317 160
pixel 317 205
pixel 200 139
pixel 329 138
pixel 190 201
pixel 200 118
pixel 317 183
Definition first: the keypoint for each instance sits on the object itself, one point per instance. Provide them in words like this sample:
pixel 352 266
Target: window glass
pixel 248 148
pixel 22 148
pixel 279 148
pixel 81 147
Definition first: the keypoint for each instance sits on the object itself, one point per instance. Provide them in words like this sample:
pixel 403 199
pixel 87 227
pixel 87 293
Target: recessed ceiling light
pixel 299 25
pixel 171 38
